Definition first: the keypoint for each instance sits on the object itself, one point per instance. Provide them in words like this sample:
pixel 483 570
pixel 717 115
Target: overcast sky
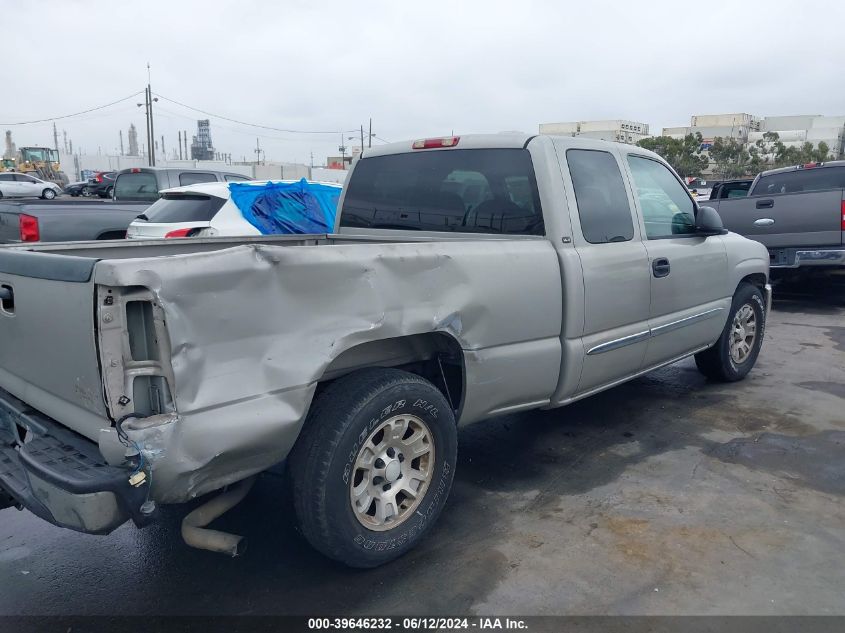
pixel 418 69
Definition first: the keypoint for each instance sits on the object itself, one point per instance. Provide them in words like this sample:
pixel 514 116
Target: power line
pixel 67 116
pixel 265 127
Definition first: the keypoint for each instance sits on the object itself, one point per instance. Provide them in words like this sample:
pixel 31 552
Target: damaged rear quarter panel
pixel 252 329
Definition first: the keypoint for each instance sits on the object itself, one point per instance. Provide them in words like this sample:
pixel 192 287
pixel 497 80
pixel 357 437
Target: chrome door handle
pixel 764 222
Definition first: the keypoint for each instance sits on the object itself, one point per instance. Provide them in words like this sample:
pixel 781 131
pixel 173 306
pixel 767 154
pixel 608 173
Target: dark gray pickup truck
pixel 798 213
pixel 66 220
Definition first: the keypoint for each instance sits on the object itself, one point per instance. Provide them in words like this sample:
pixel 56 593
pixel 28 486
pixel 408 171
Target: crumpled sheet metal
pixel 252 329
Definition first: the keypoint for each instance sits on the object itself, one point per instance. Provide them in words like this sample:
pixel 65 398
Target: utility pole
pixel 55 138
pixel 179 142
pixel 258 151
pixel 121 142
pixel 64 136
pixel 185 141
pixel 163 152
pixel 362 140
pixel 370 135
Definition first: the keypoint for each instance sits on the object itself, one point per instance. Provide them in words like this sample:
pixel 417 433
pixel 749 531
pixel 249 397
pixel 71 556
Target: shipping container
pixel 725 120
pixel 566 129
pixel 793 122
pixel 783 135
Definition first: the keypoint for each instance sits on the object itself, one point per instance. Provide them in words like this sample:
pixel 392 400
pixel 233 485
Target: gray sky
pixel 418 68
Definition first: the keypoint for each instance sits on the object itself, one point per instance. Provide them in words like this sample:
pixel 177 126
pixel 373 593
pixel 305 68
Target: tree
pixel 731 158
pixel 684 155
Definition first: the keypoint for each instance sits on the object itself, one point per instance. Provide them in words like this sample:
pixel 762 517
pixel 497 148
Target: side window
pixel 22 178
pixel 667 208
pixel 192 178
pixel 7 177
pixel 603 207
pixel 235 178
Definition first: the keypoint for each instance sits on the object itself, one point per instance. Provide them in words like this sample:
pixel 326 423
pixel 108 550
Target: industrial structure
pixel 617 130
pixel 201 146
pixel 11 150
pixel 133 140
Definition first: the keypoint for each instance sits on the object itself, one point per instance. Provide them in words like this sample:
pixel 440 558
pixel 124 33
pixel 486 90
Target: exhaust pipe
pixel 195 533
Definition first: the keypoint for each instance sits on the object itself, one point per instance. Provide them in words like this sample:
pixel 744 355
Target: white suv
pixel 15 185
pixel 199 210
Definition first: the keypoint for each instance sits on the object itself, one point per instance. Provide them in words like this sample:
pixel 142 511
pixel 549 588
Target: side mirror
pixel 708 222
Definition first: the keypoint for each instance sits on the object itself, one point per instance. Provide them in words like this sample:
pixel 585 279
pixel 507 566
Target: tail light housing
pixel 843 215
pixel 28 228
pixel 431 143
pixel 188 232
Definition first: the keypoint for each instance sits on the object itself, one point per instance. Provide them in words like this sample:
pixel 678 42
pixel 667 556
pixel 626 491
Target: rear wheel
pixel 736 351
pixel 373 466
pixel 48 194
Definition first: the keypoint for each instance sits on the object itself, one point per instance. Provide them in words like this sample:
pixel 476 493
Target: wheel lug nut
pixel 379 463
pixel 386 487
pixel 377 480
pixel 390 452
pixel 401 457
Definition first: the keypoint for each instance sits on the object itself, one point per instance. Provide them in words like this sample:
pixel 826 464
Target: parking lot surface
pixel 667 495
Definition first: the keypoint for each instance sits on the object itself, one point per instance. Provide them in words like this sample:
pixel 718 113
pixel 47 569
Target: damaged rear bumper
pixel 61 476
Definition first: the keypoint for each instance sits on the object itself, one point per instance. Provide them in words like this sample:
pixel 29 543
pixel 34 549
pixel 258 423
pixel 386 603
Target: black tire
pixel 717 363
pixel 86 192
pixel 109 192
pixel 322 463
pixel 48 194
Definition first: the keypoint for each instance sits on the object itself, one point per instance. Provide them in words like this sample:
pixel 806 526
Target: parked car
pixel 76 189
pixel 798 213
pixel 102 184
pixel 731 189
pixel 208 209
pixel 700 188
pixel 580 265
pixel 65 220
pixel 143 184
pixel 17 185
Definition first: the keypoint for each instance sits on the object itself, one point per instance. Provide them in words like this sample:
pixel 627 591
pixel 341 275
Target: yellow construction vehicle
pixel 42 162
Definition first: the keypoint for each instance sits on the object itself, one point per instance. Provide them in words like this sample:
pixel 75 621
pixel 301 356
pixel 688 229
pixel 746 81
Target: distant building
pixel 133 140
pixel 792 131
pixel 201 146
pixel 617 130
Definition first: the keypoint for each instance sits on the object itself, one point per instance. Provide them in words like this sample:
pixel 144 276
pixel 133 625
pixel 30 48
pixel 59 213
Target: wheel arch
pixel 435 356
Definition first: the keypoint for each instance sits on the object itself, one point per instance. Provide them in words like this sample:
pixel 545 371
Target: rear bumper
pixel 61 476
pixel 802 257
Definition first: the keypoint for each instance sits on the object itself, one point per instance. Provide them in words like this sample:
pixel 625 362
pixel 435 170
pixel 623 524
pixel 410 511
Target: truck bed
pixel 232 335
pixel 65 219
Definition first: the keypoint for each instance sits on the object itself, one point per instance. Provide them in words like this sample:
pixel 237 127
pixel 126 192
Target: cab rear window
pixel 471 191
pixel 811 179
pixel 173 207
pixel 136 186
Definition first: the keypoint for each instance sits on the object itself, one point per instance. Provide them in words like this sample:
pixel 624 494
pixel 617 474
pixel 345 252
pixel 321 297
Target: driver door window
pixel 28 186
pixel 668 210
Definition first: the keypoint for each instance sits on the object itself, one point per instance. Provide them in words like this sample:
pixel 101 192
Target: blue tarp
pixel 278 207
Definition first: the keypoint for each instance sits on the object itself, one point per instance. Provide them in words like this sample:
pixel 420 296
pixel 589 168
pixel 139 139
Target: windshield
pixel 180 207
pixel 40 154
pixel 136 186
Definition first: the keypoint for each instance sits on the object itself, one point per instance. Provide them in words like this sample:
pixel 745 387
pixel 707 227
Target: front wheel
pixel 373 466
pixel 736 351
pixel 48 194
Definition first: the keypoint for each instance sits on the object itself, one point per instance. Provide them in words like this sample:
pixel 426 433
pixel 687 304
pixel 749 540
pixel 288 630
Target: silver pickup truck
pixel 798 213
pixel 468 277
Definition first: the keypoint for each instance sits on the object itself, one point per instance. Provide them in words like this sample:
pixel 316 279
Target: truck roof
pixel 497 141
pixel 780 170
